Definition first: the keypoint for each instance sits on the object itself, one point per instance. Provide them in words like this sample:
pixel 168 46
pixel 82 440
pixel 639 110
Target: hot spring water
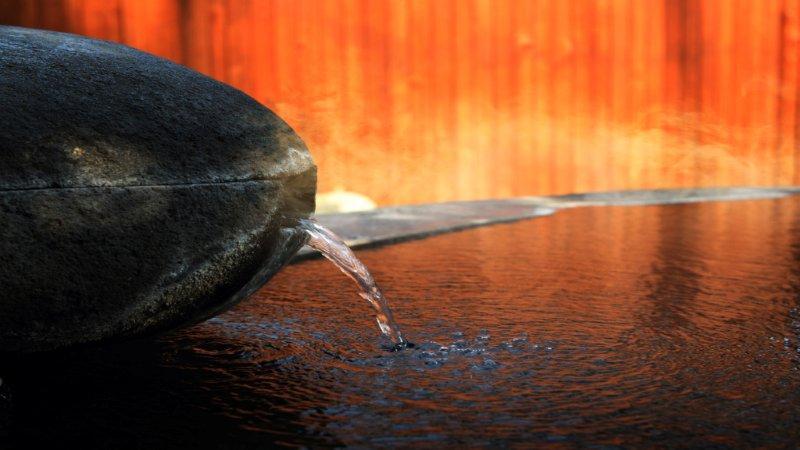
pixel 608 327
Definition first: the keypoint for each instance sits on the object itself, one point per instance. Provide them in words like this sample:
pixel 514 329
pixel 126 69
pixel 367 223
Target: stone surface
pixel 136 195
pixel 400 223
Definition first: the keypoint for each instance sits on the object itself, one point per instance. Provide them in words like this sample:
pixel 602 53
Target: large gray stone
pixel 136 195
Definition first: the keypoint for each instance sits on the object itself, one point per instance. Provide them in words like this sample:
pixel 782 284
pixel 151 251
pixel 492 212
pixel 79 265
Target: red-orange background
pixel 428 100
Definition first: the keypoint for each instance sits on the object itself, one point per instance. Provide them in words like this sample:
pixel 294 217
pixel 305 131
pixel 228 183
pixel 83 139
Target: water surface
pixel 607 326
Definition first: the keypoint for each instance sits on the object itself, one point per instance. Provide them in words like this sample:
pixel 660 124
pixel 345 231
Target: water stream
pixel 335 250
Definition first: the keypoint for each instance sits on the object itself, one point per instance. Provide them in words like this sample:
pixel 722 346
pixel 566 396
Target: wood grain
pixel 414 101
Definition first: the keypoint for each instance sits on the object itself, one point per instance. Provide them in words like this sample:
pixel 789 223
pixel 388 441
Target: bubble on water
pixel 519 340
pixel 471 351
pixel 459 344
pixel 429 346
pixel 486 364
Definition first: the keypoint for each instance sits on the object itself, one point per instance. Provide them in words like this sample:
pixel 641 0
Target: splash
pixel 335 250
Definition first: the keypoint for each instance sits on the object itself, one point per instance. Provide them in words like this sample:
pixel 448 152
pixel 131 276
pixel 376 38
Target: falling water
pixel 335 250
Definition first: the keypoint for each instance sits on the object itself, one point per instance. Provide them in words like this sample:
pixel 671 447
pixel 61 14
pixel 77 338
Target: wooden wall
pixel 428 100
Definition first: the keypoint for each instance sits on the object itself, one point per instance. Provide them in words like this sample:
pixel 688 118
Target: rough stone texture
pixel 136 195
pixel 399 223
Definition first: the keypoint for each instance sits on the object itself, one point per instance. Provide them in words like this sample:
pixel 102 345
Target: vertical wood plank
pixel 430 100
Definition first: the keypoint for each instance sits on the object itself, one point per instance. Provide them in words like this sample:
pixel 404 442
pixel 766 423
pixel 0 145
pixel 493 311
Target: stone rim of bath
pixel 392 224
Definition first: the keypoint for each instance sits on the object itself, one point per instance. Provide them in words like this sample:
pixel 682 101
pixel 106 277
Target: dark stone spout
pixel 136 195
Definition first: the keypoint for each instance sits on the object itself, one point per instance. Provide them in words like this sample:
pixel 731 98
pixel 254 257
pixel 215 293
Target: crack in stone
pixel 159 185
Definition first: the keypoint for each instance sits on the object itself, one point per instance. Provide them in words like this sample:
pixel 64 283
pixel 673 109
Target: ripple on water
pixel 667 325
